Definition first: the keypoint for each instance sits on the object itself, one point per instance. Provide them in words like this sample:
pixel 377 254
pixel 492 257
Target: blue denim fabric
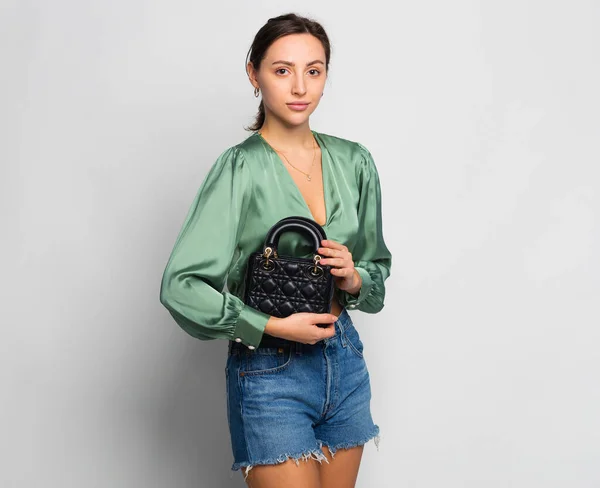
pixel 287 402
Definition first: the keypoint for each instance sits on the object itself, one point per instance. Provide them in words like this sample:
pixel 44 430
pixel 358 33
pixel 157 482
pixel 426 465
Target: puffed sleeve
pixel 194 278
pixel 372 259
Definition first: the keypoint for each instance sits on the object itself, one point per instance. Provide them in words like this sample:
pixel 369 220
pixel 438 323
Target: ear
pixel 251 74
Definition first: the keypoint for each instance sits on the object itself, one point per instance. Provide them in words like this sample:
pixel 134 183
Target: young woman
pixel 297 393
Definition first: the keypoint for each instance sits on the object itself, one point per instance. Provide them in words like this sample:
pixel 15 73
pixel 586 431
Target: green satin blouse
pixel 246 191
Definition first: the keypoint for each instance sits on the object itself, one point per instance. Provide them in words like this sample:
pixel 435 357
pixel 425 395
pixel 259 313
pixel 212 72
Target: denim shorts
pixel 286 402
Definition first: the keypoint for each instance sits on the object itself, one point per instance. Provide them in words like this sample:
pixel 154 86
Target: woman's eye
pixel 279 71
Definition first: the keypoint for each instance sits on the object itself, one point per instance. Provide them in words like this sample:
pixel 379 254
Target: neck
pixel 286 138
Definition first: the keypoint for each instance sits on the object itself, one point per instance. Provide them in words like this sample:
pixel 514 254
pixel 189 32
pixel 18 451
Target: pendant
pixel 308 177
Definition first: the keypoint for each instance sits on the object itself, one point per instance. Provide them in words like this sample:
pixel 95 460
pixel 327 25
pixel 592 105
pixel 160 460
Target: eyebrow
pixel 289 63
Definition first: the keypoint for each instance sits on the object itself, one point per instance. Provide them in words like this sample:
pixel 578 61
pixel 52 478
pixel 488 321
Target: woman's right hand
pixel 300 327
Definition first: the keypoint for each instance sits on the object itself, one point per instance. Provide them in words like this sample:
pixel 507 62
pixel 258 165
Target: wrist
pixel 273 325
pixel 355 289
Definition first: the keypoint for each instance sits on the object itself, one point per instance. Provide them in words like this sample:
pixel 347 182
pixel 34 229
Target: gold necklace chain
pixel 298 169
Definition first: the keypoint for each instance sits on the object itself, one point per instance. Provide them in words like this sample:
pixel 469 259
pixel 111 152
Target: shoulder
pixel 248 154
pixel 250 147
pixel 337 144
pixel 237 156
pixel 230 164
pixel 353 151
pixel 356 150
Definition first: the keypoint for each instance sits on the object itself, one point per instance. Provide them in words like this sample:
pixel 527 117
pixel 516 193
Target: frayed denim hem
pixel 316 454
pixel 347 445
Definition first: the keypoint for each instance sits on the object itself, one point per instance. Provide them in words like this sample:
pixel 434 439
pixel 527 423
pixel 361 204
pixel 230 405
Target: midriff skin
pixel 336 307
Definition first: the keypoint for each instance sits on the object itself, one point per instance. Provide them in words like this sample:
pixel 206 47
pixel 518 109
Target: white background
pixel 483 121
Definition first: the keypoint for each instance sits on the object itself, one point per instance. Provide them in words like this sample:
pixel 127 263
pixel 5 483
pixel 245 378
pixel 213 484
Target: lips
pixel 297 106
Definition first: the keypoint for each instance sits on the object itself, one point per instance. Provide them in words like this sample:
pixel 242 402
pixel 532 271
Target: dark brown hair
pixel 275 28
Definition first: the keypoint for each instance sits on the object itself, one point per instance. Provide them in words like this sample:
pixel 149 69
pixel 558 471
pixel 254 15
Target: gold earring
pixel 256 91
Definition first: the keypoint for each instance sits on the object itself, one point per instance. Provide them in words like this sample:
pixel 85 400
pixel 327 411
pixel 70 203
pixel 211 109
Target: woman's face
pixel 293 70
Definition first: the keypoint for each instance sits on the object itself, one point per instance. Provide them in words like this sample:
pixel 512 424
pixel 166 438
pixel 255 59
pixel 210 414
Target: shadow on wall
pixel 191 434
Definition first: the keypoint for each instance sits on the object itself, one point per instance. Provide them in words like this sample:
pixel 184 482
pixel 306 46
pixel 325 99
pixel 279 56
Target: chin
pixel 295 121
pixel 291 119
pixel 298 123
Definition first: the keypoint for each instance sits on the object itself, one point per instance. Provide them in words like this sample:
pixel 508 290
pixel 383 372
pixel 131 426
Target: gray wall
pixel 483 120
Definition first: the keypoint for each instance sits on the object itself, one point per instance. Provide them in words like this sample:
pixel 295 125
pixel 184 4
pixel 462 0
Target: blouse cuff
pixel 350 301
pixel 250 326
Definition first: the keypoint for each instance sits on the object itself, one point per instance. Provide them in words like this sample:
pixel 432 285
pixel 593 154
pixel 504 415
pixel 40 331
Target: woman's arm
pixel 194 277
pixel 372 259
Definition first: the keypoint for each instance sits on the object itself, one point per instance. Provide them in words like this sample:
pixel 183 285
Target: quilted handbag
pixel 283 285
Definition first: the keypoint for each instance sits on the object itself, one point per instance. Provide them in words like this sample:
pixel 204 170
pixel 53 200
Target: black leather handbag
pixel 283 285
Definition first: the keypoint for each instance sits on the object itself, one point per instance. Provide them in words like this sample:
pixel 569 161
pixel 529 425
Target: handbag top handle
pixel 304 225
pixel 317 227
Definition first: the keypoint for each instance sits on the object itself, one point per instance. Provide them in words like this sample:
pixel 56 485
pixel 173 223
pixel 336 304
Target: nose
pixel 299 87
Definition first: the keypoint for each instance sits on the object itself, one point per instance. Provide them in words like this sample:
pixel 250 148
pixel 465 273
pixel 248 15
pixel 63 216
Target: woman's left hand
pixel 345 275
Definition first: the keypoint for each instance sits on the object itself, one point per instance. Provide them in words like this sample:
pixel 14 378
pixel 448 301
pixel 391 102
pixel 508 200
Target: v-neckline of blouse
pixel 324 177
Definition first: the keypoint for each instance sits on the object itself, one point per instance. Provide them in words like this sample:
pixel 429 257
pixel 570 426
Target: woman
pixel 295 391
